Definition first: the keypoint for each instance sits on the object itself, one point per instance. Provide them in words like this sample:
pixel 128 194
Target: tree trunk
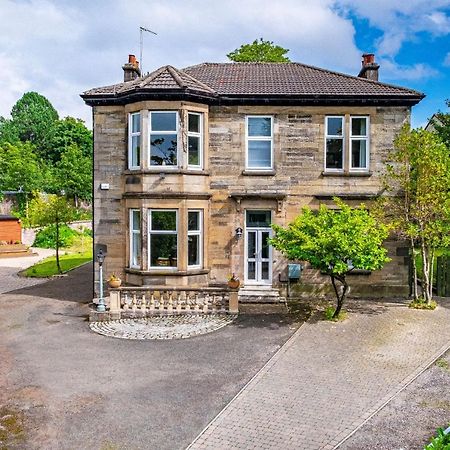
pixel 340 297
pixel 414 266
pixel 57 247
pixel 426 272
pixel 431 252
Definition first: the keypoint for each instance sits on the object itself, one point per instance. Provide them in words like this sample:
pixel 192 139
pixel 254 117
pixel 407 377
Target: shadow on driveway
pixel 77 286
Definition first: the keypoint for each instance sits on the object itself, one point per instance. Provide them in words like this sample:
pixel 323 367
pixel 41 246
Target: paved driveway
pixel 330 377
pixel 79 390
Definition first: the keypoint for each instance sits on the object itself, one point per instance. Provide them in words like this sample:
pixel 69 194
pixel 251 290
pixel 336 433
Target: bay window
pixel 134 141
pixel 259 134
pixel 163 131
pixel 195 141
pixel 194 238
pixel 135 238
pixel 163 238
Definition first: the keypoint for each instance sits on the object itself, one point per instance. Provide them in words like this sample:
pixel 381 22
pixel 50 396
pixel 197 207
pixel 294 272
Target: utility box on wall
pixel 294 271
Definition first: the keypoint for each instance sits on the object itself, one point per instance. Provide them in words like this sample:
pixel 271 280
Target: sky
pixel 61 48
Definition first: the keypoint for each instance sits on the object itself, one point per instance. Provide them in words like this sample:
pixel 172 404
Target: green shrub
pixel 420 303
pixel 329 311
pixel 440 442
pixel 46 238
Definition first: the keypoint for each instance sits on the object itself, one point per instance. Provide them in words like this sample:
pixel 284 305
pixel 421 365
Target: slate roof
pixel 286 79
pixel 257 80
pixel 164 78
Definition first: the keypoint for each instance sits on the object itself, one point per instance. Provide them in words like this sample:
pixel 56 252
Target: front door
pixel 258 252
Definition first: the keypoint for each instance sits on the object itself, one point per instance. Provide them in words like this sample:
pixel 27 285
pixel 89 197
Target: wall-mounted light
pixel 238 232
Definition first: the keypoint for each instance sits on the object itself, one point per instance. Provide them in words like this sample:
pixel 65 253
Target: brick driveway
pixel 329 378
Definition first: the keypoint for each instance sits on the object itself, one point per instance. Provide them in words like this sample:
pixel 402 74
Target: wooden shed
pixel 10 230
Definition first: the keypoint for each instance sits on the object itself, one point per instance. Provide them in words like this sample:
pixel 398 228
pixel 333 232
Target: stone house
pixel 192 166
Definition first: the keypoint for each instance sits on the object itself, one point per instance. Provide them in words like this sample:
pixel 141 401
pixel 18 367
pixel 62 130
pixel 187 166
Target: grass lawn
pixel 47 267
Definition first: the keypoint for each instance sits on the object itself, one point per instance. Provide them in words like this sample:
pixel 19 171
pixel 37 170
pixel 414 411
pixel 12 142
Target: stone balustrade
pixel 149 300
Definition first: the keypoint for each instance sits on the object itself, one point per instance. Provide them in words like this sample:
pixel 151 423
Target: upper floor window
pixel 134 141
pixel 337 142
pixel 195 140
pixel 259 142
pixel 163 132
pixel 359 143
pixel 334 143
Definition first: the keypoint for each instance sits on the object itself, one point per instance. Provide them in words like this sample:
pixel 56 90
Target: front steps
pixel 260 294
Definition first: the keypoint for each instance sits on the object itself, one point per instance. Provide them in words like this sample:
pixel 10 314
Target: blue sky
pixel 61 48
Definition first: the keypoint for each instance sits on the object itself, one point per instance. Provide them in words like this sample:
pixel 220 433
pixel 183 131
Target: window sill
pixel 166 171
pixel 346 174
pixel 167 272
pixel 261 172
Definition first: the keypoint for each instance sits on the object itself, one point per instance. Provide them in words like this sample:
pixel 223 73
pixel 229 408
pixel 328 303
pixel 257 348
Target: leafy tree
pixel 33 120
pixel 70 131
pixel 20 169
pixel 52 210
pixel 73 174
pixel 441 124
pixel 259 51
pixel 334 242
pixel 417 203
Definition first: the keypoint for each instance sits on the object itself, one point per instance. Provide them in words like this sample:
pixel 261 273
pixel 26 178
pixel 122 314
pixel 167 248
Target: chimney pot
pixel 131 69
pixel 369 69
pixel 368 58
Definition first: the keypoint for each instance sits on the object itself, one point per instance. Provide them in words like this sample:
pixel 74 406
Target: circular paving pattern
pixel 163 327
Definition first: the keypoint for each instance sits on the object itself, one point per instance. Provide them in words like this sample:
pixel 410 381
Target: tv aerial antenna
pixel 141 36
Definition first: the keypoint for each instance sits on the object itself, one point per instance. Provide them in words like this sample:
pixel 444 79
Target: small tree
pixel 259 51
pixel 334 242
pixel 441 124
pixel 417 200
pixel 73 174
pixel 52 209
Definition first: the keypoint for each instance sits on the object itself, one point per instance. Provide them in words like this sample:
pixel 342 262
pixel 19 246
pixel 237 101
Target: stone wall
pixel 297 175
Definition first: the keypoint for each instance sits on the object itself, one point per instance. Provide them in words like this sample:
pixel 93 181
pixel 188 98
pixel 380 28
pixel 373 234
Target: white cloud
pixel 419 71
pixel 60 47
pixel 447 60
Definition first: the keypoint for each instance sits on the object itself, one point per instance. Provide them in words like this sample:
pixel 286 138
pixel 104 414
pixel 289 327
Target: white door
pixel 258 252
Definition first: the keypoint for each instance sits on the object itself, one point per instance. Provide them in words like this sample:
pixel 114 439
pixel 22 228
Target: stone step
pixel 257 294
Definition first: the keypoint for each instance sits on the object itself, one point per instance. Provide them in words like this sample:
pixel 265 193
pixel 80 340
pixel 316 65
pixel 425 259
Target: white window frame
pixel 334 136
pixel 150 232
pixel 352 138
pixel 134 232
pixel 195 134
pixel 177 132
pixel 132 134
pixel 198 233
pixel 259 138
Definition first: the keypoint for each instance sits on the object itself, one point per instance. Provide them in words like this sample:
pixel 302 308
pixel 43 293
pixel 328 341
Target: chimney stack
pixel 369 69
pixel 131 69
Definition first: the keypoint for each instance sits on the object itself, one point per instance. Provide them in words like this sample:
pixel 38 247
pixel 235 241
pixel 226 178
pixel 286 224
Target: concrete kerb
pixel 404 384
pixel 255 378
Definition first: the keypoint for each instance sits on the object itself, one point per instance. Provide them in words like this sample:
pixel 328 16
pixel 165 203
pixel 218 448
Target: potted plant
pixel 114 281
pixel 233 281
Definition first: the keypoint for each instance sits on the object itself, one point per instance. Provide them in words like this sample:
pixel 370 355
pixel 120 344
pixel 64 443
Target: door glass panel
pixel 264 270
pixel 258 219
pixel 251 249
pixel 251 270
pixel 264 244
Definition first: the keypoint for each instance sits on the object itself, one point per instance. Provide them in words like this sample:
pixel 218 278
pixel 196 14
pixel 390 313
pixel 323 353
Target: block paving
pixel 329 378
pixel 163 327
